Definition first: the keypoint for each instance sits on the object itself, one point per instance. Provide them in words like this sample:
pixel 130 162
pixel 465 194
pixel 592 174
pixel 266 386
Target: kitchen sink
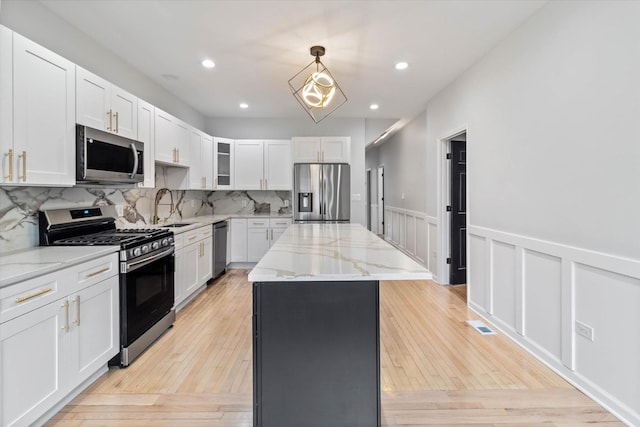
pixel 177 224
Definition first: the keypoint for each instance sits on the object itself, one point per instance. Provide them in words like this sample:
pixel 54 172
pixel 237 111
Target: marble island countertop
pixel 199 221
pixel 28 263
pixel 340 252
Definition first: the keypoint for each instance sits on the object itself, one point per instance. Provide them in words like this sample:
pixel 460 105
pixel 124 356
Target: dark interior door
pixel 458 258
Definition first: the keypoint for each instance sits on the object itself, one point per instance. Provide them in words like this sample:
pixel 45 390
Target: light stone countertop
pixel 334 252
pixel 37 261
pixel 199 221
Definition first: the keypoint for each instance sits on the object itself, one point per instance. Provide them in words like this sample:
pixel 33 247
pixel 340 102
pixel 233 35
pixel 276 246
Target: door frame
pixel 380 194
pixel 367 174
pixel 443 199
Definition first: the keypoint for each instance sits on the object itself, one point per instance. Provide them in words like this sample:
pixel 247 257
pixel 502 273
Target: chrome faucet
pixel 159 195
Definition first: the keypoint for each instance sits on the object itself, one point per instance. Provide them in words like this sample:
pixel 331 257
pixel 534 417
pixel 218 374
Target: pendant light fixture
pixel 316 89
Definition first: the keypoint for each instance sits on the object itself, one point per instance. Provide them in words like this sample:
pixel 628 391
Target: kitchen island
pixel 316 325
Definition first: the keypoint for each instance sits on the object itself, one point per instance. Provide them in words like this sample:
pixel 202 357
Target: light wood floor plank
pixel 435 369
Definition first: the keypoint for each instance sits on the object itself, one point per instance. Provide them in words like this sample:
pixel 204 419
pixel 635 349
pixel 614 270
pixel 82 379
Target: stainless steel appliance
pixel 147 265
pixel 220 230
pixel 106 158
pixel 321 192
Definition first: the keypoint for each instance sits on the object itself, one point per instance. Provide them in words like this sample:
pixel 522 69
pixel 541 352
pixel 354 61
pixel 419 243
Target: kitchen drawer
pixel 280 222
pixel 31 294
pixel 95 271
pixel 258 222
pixel 200 233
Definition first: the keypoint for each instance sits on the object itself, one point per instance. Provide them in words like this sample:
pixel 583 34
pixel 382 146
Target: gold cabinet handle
pixel 117 123
pixel 192 237
pixel 95 273
pixel 77 301
pixel 110 114
pixel 10 155
pixel 33 295
pixel 66 310
pixel 178 150
pixel 265 184
pixel 261 184
pixel 23 156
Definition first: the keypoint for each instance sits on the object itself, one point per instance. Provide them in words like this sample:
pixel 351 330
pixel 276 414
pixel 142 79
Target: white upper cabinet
pixel 262 164
pixel 172 139
pixel 106 107
pixel 336 149
pixel 201 166
pixel 249 171
pixel 146 135
pixel 277 164
pixel 37 114
pixel 223 153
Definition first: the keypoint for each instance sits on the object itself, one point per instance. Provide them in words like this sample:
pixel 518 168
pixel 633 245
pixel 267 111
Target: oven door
pixel 146 294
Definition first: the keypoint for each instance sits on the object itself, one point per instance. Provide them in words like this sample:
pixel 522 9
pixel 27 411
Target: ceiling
pixel 258 46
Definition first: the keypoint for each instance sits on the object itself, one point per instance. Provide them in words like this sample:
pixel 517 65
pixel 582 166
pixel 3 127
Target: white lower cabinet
pixel 50 350
pixel 238 240
pixel 261 234
pixel 194 263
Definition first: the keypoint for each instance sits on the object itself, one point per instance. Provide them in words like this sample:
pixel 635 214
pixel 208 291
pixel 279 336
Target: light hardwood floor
pixel 436 370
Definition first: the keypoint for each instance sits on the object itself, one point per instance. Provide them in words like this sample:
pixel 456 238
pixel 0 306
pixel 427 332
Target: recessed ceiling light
pixel 207 63
pixel 244 105
pixel 401 66
pixel 374 106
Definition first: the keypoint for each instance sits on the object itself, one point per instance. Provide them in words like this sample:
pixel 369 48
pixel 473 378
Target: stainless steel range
pixel 147 265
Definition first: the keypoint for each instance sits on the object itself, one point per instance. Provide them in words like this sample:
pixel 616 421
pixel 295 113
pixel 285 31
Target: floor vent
pixel 479 326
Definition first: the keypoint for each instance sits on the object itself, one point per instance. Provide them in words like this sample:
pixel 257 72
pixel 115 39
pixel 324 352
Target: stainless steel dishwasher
pixel 219 248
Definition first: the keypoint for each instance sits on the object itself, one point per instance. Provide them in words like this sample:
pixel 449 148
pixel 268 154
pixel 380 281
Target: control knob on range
pixel 155 245
pixel 136 252
pixel 165 241
pixel 145 249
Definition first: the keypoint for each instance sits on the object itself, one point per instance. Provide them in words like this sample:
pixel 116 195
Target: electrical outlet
pixel 193 203
pixel 356 197
pixel 584 330
pixel 402 196
pixel 119 210
pixel 286 203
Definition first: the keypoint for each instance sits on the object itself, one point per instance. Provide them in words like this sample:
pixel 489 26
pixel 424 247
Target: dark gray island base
pixel 316 354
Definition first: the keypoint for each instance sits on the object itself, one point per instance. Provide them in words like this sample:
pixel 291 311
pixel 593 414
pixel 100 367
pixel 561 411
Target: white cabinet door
pixel 206 159
pixel 306 149
pixel 124 110
pixel 248 162
pixel 205 261
pixel 7 172
pixel 93 100
pixel 277 165
pixel 94 328
pixel 258 241
pixel 165 148
pixel 224 153
pixel 43 116
pixel 238 240
pixel 196 181
pixel 34 349
pixel 190 272
pixel 183 132
pixel 336 149
pixel 146 135
pixel 106 107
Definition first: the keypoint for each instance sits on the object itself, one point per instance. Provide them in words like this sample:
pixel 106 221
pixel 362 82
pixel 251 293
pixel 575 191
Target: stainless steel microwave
pixel 105 158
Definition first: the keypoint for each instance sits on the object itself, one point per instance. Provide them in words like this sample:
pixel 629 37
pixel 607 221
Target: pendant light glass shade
pixel 316 89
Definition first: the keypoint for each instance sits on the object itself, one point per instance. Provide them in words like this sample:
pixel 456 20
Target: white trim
pixel 571 259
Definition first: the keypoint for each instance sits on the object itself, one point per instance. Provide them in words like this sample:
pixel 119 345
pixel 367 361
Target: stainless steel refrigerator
pixel 321 192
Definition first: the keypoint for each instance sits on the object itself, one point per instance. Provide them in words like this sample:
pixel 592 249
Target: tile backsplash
pixel 19 206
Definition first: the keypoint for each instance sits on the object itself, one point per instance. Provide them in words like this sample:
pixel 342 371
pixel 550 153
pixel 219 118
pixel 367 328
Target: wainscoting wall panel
pixel 552 299
pixel 414 233
pixel 543 297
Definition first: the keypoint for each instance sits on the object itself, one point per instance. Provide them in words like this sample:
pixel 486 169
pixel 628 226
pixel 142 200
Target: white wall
pixel 255 128
pixel 34 21
pixel 553 146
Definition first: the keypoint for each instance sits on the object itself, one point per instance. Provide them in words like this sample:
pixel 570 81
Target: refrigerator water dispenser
pixel 305 202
